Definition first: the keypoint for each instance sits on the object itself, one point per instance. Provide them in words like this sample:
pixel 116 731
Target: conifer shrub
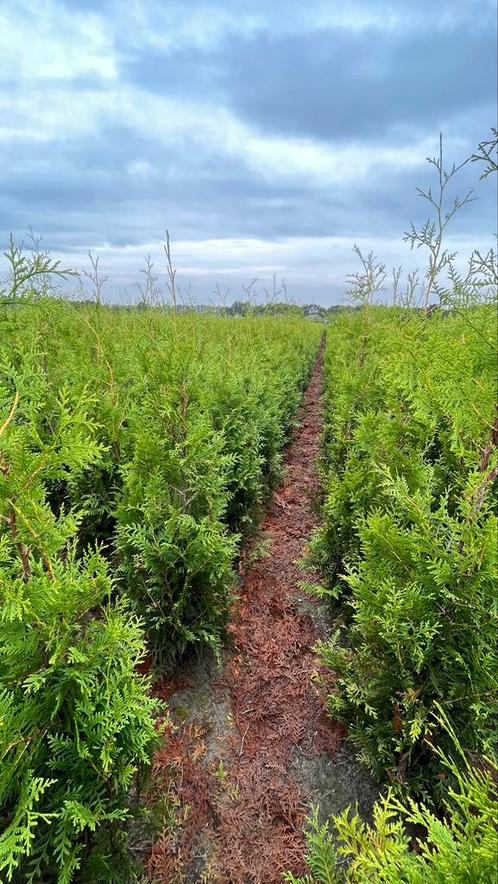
pixel 77 727
pixel 461 845
pixel 409 539
pixel 175 554
pixel 408 542
pixel 190 415
pixel 135 446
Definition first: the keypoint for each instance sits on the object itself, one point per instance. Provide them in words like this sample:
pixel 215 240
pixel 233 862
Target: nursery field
pixel 172 485
pixel 408 554
pixel 134 450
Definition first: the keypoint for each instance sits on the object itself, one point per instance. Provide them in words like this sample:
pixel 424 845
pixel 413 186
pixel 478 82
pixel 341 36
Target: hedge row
pixel 409 535
pixel 134 450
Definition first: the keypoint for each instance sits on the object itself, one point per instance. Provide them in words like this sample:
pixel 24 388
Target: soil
pixel 250 747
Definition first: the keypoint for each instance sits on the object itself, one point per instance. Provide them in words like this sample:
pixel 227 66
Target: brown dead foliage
pixel 178 772
pixel 253 819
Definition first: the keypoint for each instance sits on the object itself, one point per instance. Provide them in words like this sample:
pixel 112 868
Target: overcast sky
pixel 267 135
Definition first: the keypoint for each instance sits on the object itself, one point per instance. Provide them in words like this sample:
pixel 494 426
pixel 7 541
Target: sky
pixel 267 136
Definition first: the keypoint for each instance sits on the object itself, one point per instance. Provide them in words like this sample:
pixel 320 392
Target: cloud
pixel 208 131
pixel 47 42
pixel 238 124
pixel 336 84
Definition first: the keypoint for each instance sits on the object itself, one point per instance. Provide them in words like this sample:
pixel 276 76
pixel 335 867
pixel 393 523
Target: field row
pixel 135 449
pixel 409 556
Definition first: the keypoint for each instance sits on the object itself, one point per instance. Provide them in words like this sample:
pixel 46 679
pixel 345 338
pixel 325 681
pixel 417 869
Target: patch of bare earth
pixel 252 746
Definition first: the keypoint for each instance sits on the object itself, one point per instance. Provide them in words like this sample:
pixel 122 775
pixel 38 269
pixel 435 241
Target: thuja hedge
pixel 135 448
pixel 409 536
pixel 76 722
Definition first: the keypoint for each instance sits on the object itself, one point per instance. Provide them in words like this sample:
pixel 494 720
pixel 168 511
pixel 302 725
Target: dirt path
pixel 253 746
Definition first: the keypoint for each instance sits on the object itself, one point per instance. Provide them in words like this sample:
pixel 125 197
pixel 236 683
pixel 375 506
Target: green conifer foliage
pixel 190 415
pixel 409 535
pixel 76 722
pixel 460 845
pixel 135 449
